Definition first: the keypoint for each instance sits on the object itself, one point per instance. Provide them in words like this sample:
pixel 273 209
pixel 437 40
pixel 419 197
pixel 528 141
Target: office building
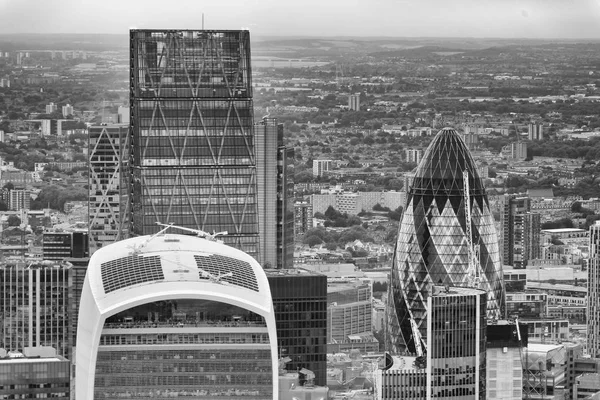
pixel 50 108
pixel 303 217
pixel 35 373
pixel 535 131
pixel 192 144
pixel 432 246
pixel 58 245
pixel 544 371
pixel 401 378
pixel 413 155
pixel 320 167
pixel 275 186
pixel 456 343
pixel 527 305
pixel 108 184
pixel 35 305
pixel 586 386
pixel 67 110
pixel 354 102
pixel 175 315
pixel 349 309
pixel 300 304
pixel 520 231
pixel 504 369
pixel 123 115
pixel 593 296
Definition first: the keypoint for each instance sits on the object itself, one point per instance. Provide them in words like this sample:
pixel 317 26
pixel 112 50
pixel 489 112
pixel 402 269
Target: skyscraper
pixel 593 301
pixel 456 343
pixel 193 160
pixel 520 231
pixel 300 304
pixel 109 184
pixel 35 305
pixel 432 247
pixel 275 186
pixel 175 315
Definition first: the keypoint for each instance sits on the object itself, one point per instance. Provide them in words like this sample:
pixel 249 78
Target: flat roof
pixel 291 272
pixel 563 230
pixel 29 360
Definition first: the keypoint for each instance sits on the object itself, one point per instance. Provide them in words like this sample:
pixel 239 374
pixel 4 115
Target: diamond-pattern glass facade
pixel 432 242
pixel 193 157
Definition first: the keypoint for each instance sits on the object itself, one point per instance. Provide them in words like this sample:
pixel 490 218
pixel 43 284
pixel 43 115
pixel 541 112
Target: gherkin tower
pixel 432 247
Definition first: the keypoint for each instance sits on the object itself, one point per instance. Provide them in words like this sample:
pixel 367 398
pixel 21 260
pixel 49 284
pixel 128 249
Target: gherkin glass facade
pixel 432 244
pixel 193 161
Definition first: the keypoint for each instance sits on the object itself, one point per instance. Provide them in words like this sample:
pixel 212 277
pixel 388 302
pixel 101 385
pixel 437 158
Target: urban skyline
pixel 432 18
pixel 444 233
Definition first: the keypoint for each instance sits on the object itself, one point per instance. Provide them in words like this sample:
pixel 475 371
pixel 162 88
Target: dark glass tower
pixel 193 161
pixel 432 243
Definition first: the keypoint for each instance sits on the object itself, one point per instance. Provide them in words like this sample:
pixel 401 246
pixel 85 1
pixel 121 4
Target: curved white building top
pixel 132 267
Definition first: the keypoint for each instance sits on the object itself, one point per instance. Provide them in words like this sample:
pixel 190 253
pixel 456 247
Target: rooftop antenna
pixel 202 21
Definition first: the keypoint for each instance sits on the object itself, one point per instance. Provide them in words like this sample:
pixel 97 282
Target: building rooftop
pixel 454 291
pixel 563 230
pixel 291 272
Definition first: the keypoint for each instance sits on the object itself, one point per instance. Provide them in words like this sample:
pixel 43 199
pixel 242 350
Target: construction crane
pixel 472 249
pixel 420 361
pixel 198 232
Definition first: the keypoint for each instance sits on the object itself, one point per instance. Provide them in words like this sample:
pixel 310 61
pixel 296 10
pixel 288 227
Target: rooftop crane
pixel 420 361
pixel 472 249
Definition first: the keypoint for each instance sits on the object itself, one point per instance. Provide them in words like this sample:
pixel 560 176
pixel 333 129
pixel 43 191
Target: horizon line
pixel 299 36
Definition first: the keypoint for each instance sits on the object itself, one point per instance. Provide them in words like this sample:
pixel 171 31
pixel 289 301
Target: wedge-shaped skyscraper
pixel 432 247
pixel 192 144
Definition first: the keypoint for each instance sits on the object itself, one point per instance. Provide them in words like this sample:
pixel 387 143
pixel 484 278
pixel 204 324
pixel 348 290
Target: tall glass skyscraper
pixel 432 244
pixel 193 161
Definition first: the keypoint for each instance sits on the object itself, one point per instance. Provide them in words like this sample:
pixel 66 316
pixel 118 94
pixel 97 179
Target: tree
pixel 13 220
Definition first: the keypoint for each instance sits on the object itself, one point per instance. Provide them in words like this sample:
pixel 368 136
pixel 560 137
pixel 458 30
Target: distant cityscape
pixel 326 218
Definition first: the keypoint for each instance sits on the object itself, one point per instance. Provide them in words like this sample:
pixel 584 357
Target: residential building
pixel 300 304
pixel 593 295
pixel 303 217
pixel 413 155
pixel 175 315
pixel 275 188
pixel 432 246
pixel 109 212
pixel 354 102
pixel 19 199
pixel 355 202
pixel 67 110
pixel 320 167
pixel 193 157
pixel 50 108
pixel 520 231
pixel 535 131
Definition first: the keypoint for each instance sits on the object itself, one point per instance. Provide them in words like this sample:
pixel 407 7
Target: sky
pixel 561 19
